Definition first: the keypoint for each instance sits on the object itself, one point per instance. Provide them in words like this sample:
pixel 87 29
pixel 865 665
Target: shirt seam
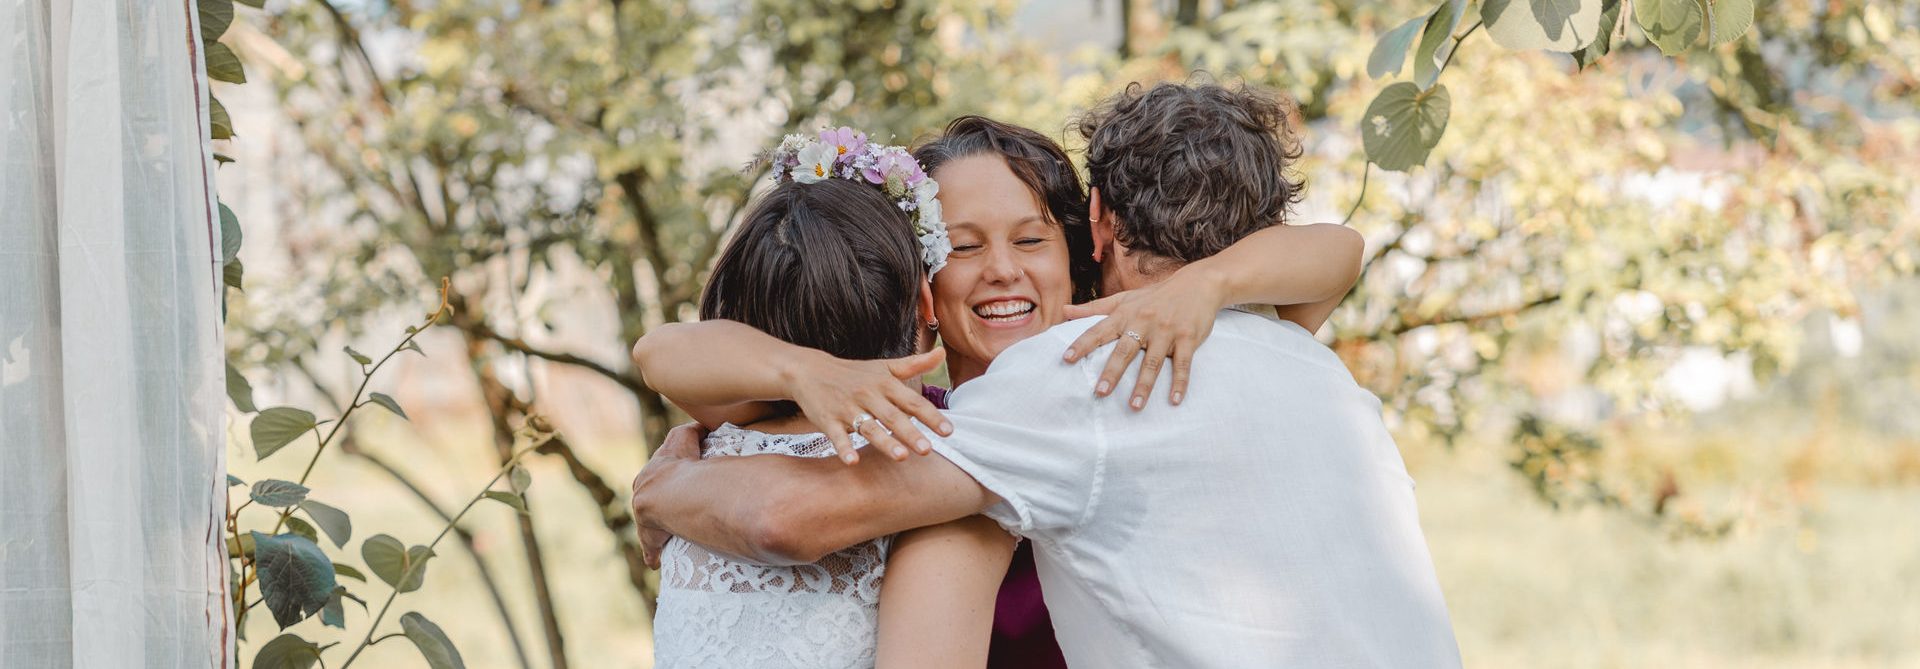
pixel 1098 484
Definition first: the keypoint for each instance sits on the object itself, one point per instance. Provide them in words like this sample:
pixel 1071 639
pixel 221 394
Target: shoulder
pixel 1031 370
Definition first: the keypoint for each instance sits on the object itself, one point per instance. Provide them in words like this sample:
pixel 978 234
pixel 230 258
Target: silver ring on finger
pixel 861 421
pixel 1137 339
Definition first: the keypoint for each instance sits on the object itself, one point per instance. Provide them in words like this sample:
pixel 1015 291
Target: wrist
pixel 1212 283
pixel 792 369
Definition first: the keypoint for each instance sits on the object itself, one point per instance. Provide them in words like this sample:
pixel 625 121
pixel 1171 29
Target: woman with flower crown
pixel 1000 218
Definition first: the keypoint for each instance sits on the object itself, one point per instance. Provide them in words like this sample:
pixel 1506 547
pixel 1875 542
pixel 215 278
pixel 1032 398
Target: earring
pixel 934 325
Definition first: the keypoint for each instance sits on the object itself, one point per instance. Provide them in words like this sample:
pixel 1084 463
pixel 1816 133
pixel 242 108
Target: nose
pixel 1001 267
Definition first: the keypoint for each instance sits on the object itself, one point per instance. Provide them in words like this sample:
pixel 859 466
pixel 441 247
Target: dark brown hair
pixel 1190 169
pixel 831 265
pixel 1039 163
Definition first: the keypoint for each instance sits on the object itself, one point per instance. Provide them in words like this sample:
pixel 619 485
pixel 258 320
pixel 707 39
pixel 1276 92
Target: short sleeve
pixel 1028 431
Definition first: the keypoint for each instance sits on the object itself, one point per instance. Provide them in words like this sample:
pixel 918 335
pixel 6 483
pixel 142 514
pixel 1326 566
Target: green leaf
pixel 234 481
pixel 403 568
pixel 1731 20
pixel 508 499
pixel 222 158
pixel 384 400
pixel 335 522
pixel 1672 25
pixel 239 390
pixel 303 529
pixel 519 479
pixel 1426 59
pixel 357 356
pixel 333 614
pixel 1554 25
pixel 233 273
pixel 215 16
pixel 222 65
pixel 229 234
pixel 1602 43
pixel 432 642
pixel 256 4
pixel 1403 124
pixel 277 427
pixel 287 651
pixel 414 346
pixel 277 493
pixel 349 572
pixel 240 546
pixel 220 125
pixel 295 577
pixel 1390 53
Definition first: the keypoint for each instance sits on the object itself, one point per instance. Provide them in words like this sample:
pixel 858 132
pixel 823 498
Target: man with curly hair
pixel 1265 521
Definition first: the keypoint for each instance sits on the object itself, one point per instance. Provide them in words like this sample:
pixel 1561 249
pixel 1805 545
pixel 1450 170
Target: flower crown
pixel 843 153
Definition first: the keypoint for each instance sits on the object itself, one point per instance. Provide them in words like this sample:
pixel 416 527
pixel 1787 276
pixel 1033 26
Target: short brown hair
pixel 831 265
pixel 1039 163
pixel 1190 169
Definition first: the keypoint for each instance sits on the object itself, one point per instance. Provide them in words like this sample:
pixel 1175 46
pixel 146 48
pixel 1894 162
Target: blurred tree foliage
pixel 503 142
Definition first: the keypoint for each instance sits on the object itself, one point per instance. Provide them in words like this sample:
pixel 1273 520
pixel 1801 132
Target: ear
pixel 1101 221
pixel 928 335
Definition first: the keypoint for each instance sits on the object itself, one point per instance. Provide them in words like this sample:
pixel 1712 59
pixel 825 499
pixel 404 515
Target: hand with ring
pixel 1166 320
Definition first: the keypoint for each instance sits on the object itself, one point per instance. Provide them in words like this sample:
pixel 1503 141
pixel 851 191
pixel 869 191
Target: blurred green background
pixel 1641 321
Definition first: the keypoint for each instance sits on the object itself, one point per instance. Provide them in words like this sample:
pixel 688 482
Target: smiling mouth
pixel 1004 311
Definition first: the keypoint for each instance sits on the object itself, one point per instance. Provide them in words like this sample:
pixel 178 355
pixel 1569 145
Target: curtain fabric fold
pixel 112 421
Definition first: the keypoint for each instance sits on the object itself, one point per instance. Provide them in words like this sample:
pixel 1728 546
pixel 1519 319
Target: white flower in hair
pixel 816 163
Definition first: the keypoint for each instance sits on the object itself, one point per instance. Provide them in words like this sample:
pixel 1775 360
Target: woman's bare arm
pixel 1303 270
pixel 720 370
pixel 936 603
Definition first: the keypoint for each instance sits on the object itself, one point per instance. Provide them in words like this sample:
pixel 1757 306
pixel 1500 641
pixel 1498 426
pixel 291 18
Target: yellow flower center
pixel 843 150
pixel 819 170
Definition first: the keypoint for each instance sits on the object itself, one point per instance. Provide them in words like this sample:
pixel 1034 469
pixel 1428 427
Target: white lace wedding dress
pixel 720 612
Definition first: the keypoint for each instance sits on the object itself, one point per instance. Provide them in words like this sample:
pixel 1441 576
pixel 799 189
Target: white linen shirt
pixel 1267 521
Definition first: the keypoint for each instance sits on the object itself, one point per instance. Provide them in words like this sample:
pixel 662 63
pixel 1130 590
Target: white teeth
pixel 1004 310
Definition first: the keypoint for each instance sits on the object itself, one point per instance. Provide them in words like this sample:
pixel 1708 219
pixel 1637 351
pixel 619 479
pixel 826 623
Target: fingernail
pixel 1177 397
pixel 900 452
pixel 946 428
pixel 1068 356
pixel 1138 402
pixel 923 445
pixel 1102 388
pixel 850 458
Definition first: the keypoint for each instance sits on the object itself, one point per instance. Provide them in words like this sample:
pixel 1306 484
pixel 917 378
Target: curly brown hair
pixel 1190 169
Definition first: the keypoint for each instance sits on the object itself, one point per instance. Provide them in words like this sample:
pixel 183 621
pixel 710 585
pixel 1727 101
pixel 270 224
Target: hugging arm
pixel 721 370
pixel 936 603
pixel 777 509
pixel 1304 270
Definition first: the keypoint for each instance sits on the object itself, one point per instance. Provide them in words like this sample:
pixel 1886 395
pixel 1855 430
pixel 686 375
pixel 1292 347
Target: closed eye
pixel 1029 241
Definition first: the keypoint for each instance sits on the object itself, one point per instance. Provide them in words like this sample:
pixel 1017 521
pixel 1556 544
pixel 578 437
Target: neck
pixel 961 368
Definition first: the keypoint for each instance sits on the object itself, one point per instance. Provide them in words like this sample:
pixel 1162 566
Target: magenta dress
pixel 1022 631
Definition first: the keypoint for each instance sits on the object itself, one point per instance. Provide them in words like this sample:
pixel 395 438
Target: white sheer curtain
pixel 112 474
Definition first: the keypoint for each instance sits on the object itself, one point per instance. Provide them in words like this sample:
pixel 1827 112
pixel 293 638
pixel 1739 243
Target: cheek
pixel 950 288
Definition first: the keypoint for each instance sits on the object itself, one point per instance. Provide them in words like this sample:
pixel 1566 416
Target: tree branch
pixel 478 328
pixel 1406 326
pixel 614 514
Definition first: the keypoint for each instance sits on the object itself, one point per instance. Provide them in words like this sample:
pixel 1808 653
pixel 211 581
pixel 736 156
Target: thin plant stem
pixel 1366 172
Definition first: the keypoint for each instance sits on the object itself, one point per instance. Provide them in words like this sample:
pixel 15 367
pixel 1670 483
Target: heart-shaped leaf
pixel 1390 53
pixel 287 651
pixel 277 493
pixel 335 522
pixel 1403 124
pixel 1672 25
pixel 432 642
pixel 403 568
pixel 295 577
pixel 222 65
pixel 385 400
pixel 509 499
pixel 1554 25
pixel 278 426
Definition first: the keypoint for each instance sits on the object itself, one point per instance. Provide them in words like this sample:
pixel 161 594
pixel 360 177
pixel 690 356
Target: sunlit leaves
pixel 277 427
pixel 432 642
pixel 1555 25
pixel 1439 31
pixel 1672 25
pixel 1603 42
pixel 403 568
pixel 1731 19
pixel 287 651
pixel 277 493
pixel 296 579
pixel 1403 124
pixel 333 521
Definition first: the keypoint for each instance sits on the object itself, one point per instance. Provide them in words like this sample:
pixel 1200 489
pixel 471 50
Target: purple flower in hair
pixel 846 142
pixel 894 168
